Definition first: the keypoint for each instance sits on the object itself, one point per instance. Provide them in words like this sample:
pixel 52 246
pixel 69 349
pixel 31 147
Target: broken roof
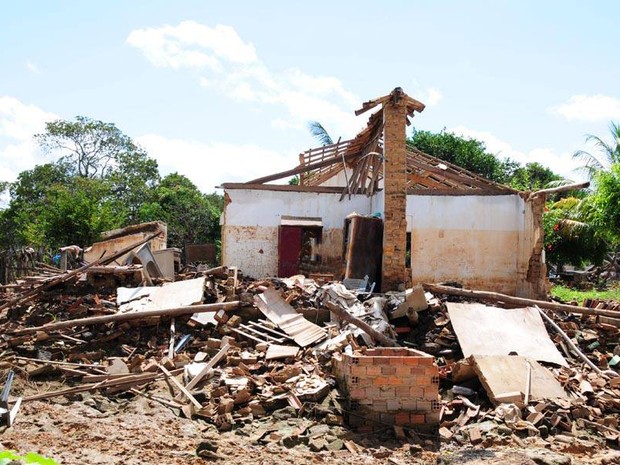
pixel 363 157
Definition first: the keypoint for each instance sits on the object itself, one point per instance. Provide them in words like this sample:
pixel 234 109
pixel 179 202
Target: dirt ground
pixel 132 430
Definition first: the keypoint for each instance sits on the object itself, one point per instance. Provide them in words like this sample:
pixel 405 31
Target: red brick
pixel 393 404
pixel 426 361
pixel 388 370
pixel 387 392
pixel 411 361
pixel 417 418
pixel 357 370
pixel 416 392
pixel 357 393
pixel 381 381
pixel 401 418
pixel 424 405
pixel 396 361
pixel 402 391
pixel 403 371
pixel 373 370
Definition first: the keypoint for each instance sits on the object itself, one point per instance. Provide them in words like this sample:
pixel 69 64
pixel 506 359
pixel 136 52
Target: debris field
pixel 300 370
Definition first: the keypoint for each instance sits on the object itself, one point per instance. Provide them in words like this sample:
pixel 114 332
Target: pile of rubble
pixel 423 367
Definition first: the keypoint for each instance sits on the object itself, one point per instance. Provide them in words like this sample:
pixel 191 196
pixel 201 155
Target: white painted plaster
pixel 470 212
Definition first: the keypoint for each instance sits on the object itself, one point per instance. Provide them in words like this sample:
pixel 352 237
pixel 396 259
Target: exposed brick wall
pixel 389 386
pixel 395 199
pixel 537 269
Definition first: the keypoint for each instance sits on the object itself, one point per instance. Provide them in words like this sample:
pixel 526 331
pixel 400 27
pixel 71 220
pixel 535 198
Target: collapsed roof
pixel 363 156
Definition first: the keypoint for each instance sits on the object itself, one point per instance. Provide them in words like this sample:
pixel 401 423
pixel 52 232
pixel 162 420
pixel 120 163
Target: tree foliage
pixel 102 180
pixel 570 239
pixel 192 216
pixel 608 153
pixel 91 147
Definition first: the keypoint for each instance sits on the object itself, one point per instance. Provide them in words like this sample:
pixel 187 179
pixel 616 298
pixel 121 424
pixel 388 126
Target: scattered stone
pixel 317 444
pixel 335 445
pixel 543 457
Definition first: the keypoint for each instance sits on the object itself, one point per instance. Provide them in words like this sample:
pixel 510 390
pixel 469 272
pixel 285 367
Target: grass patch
pixel 568 294
pixel 8 456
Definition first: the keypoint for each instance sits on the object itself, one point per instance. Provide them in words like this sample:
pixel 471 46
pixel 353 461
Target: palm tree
pixel 320 133
pixel 608 153
pixel 595 165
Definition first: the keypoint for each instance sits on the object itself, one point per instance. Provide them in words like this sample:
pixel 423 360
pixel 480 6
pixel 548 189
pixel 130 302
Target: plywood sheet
pixel 172 295
pixel 484 330
pixel 503 374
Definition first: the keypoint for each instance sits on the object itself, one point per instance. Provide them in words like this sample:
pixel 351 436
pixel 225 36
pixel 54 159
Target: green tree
pixel 470 154
pixel 531 177
pixel 569 240
pixel 608 153
pixel 90 146
pixel 192 216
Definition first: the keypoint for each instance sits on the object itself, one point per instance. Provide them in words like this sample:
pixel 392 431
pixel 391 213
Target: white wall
pixel 478 241
pixel 251 220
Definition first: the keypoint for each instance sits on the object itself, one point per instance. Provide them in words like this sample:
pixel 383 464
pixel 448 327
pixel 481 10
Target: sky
pixel 223 91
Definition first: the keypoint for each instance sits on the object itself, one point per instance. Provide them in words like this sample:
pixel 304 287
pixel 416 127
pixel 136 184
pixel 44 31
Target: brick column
pixel 395 201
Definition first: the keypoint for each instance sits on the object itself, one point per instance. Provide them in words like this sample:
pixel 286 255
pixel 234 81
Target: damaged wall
pixel 252 217
pixel 482 242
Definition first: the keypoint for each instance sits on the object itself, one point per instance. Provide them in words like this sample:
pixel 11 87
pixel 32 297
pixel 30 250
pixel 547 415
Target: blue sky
pixel 223 91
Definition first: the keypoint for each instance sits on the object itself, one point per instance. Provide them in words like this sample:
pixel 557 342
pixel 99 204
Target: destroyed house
pixel 375 207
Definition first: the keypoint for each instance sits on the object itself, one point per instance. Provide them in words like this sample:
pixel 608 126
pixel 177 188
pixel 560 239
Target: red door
pixel 289 250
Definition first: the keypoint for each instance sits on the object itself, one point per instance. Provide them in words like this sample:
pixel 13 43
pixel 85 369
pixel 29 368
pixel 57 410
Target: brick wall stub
pixel 389 386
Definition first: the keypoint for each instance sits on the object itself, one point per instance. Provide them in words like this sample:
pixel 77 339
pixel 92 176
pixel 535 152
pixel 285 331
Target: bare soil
pixel 132 430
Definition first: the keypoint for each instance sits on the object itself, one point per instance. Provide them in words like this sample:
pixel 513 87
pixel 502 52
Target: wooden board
pixel 503 374
pixel 275 351
pixel 484 330
pixel 172 295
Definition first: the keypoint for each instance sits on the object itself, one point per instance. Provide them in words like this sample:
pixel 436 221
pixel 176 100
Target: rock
pixel 543 457
pixel 317 444
pixel 319 430
pixel 611 458
pixel 284 413
pixel 338 444
pixel 415 449
pixel 207 449
pixel 504 430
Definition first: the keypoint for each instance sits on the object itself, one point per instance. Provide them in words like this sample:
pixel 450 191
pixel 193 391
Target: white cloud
pixel 18 123
pixel 230 65
pixel 560 163
pixel 30 66
pixel 433 96
pixel 590 108
pixel 193 45
pixel 210 164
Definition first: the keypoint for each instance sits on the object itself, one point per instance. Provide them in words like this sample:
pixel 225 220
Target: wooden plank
pixel 508 299
pixel 179 386
pixel 282 188
pixel 129 316
pixel 169 295
pixel 210 365
pixel 484 330
pixel 276 351
pixel 504 374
